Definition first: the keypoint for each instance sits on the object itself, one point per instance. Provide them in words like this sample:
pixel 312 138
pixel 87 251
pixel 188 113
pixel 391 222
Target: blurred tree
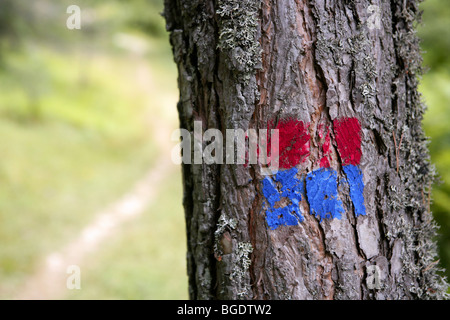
pixel 255 64
pixel 8 32
pixel 6 17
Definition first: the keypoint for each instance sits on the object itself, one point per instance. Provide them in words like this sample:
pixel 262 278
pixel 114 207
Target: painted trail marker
pixel 285 190
pixel 321 186
pixel 293 143
pixel 291 189
pixel 348 138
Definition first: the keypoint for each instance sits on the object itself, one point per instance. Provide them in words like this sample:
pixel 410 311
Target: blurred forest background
pixel 84 117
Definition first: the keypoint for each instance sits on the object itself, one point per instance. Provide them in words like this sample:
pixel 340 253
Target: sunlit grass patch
pixel 146 259
pixel 435 87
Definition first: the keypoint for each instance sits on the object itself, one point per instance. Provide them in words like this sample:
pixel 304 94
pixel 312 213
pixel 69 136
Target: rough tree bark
pixel 256 63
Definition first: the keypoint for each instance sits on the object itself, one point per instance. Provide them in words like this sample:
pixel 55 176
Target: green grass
pixel 435 87
pixel 54 178
pixel 84 90
pixel 76 135
pixel 146 259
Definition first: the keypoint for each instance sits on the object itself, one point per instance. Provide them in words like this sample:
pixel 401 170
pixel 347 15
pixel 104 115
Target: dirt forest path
pixel 50 280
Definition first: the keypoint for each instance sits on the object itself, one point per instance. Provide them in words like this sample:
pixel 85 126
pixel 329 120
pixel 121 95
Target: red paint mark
pixel 320 129
pixel 293 142
pixel 326 144
pixel 324 163
pixel 348 138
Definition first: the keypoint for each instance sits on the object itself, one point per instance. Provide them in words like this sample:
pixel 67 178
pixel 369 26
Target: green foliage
pixel 6 17
pixel 144 15
pixel 435 86
pixel 435 33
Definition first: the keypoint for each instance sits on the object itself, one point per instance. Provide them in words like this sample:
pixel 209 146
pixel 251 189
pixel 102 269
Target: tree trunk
pixel 347 216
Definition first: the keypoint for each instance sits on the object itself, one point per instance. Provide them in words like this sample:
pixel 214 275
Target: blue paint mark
pixel 321 188
pixel 270 191
pixel 355 181
pixel 290 185
pixel 292 189
pixel 321 191
pixel 281 217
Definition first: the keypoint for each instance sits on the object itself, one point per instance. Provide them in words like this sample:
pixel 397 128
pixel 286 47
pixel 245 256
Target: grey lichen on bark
pixel 415 172
pixel 238 35
pixel 245 64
